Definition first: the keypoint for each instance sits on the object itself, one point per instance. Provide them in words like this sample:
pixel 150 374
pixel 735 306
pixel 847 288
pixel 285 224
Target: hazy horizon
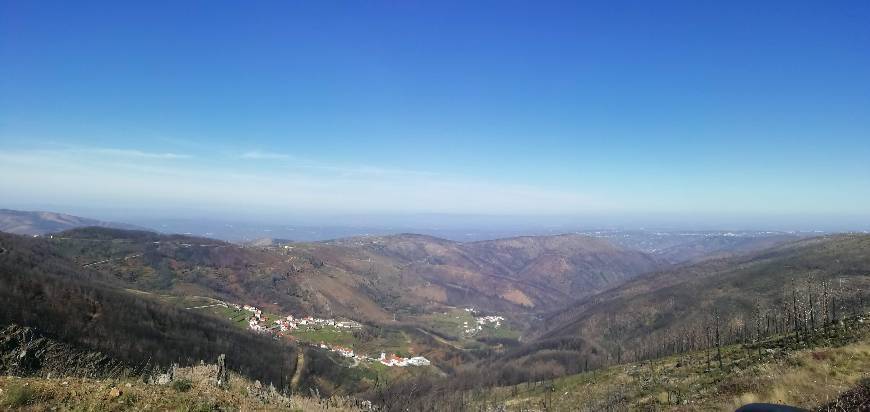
pixel 453 227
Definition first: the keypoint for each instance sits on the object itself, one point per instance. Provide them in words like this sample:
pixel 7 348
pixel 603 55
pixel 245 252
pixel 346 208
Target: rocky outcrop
pixel 26 352
pixel 855 399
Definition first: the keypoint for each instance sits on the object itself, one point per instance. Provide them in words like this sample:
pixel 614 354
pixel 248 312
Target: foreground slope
pixel 192 393
pixel 825 373
pixel 42 373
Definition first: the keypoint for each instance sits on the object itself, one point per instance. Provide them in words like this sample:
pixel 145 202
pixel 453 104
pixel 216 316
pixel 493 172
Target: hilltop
pixel 39 223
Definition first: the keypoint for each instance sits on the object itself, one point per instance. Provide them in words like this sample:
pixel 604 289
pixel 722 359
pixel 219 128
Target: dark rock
pixel 25 352
pixel 855 399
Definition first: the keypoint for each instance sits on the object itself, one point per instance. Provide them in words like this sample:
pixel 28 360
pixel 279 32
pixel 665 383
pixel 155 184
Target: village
pixel 258 323
pixel 283 326
pixel 480 322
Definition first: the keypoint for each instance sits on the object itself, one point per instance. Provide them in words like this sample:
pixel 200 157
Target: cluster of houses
pixel 480 322
pixel 384 359
pixel 290 323
pixel 259 323
pixel 341 350
pixel 256 319
pixel 495 320
pixel 395 360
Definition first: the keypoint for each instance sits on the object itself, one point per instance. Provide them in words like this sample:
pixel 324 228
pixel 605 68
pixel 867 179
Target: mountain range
pixel 563 302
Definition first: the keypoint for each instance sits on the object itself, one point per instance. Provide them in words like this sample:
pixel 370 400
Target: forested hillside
pixel 378 279
pixel 527 274
pixel 797 285
pixel 40 288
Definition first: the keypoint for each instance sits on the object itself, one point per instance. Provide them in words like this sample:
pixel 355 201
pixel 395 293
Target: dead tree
pixel 222 375
pixel 718 341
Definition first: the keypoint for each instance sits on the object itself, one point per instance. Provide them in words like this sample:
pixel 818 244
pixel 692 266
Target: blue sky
pixel 273 109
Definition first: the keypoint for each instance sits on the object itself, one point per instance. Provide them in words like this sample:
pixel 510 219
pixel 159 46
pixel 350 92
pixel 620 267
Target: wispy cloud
pixel 294 187
pixel 260 155
pixel 343 170
pixel 137 154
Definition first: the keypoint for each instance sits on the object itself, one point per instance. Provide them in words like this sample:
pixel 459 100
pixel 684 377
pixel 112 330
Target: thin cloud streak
pixel 258 155
pixel 139 154
pixel 46 175
pixel 293 162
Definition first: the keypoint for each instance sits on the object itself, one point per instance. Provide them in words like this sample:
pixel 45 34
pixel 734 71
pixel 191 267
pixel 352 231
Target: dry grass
pixel 811 378
pixel 806 378
pixel 197 393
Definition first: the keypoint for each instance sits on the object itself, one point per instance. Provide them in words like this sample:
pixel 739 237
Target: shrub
pixel 19 395
pixel 128 399
pixel 182 385
pixel 199 406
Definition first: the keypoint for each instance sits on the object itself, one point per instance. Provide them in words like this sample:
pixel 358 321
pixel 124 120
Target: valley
pixel 366 317
pixel 427 206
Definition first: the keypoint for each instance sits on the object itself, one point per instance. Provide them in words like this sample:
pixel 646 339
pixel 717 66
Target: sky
pixel 302 111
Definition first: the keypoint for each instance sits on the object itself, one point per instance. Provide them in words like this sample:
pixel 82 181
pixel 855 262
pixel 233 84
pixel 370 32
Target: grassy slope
pixel 453 323
pixel 782 372
pixel 192 391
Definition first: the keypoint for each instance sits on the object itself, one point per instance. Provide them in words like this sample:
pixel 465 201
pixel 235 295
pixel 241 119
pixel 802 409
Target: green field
pixel 326 334
pixel 453 323
pixel 368 340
